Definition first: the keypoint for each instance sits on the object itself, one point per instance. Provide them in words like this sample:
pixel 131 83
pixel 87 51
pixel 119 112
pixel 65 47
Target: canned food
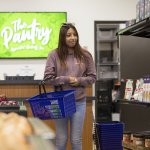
pixel 127 137
pixel 138 139
pixel 147 140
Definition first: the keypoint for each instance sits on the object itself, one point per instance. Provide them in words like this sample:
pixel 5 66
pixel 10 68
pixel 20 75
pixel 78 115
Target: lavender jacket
pixel 85 73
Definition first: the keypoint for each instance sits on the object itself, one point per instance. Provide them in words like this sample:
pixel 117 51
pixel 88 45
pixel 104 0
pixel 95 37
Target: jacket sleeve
pixel 50 74
pixel 90 75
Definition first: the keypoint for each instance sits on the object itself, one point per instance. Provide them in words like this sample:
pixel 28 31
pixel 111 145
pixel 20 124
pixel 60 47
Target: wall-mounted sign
pixel 29 34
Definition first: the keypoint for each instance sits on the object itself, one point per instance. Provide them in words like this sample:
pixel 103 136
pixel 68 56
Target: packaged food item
pixel 138 92
pixel 147 140
pixel 138 139
pixel 141 90
pixel 146 89
pixel 126 136
pixel 128 89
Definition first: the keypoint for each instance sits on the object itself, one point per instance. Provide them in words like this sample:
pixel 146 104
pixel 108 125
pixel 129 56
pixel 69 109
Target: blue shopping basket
pixel 53 105
pixel 110 135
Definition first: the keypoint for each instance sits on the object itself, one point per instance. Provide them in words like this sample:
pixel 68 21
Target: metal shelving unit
pixel 139 29
pixel 134 45
pixel 107 59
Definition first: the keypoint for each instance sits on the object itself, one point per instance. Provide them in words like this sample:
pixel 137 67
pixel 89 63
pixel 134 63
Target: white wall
pixel 82 12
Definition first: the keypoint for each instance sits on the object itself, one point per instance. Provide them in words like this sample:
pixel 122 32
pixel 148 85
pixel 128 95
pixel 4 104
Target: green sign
pixel 29 34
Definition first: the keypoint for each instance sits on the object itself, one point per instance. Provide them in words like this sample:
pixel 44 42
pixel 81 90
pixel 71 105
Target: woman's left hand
pixel 73 81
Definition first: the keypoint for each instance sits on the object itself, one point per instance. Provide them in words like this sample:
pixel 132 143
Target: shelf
pixel 133 102
pixel 108 64
pixel 107 40
pixel 140 29
pixel 107 26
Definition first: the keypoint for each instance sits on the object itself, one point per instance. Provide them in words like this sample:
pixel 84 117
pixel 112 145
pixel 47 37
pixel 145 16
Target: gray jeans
pixel 76 127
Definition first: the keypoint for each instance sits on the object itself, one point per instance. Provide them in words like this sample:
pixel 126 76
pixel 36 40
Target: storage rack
pixel 108 67
pixel 135 40
pixel 140 29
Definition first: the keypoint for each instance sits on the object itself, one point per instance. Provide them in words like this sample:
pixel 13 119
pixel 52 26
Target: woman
pixel 72 67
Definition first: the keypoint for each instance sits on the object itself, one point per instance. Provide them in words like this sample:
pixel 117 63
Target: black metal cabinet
pixel 107 58
pixel 103 105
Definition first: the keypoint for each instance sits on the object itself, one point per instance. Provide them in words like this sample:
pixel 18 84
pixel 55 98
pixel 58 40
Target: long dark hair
pixel 62 49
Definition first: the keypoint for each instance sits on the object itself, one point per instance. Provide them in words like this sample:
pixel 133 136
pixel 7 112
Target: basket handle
pixel 56 87
pixel 42 85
